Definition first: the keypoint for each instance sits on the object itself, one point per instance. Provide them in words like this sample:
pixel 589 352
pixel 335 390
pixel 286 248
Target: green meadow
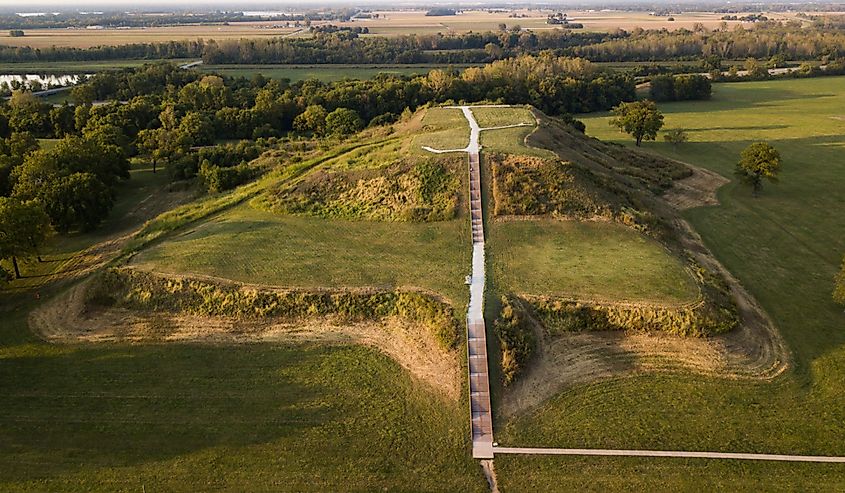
pixel 784 247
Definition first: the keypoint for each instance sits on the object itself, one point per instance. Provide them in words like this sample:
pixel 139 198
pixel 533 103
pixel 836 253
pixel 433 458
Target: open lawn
pixel 784 247
pixel 182 417
pixel 444 128
pixel 586 260
pixel 253 246
pixel 500 117
pixel 511 141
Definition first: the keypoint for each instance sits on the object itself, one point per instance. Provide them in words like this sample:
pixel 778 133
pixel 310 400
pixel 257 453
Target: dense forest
pixel 764 41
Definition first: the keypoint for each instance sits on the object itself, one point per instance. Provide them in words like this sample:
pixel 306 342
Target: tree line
pixel 765 41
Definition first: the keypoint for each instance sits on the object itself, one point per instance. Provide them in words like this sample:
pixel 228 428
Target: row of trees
pixel 792 42
pixel 205 108
pixel 763 42
pixel 680 87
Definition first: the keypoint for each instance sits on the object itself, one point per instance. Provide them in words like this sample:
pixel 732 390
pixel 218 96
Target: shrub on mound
pixel 698 320
pixel 137 290
pixel 427 190
pixel 515 338
pixel 528 186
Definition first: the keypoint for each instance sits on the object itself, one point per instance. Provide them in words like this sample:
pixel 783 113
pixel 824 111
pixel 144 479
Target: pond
pixel 39 82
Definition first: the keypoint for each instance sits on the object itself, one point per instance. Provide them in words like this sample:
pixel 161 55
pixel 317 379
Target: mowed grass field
pixel 586 260
pixel 488 117
pixel 442 129
pixel 182 417
pixel 784 247
pixel 259 247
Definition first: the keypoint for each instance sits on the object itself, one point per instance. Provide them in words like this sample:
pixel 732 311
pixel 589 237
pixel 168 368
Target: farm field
pixel 784 247
pixel 87 38
pixel 389 23
pixel 408 22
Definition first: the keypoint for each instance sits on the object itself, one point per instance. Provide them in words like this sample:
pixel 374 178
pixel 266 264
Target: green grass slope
pixel 784 247
pixel 250 417
pixel 249 245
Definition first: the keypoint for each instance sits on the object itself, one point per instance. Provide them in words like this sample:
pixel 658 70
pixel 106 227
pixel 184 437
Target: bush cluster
pixel 128 288
pixel 525 185
pixel 680 87
pixel 704 318
pixel 515 338
pixel 424 191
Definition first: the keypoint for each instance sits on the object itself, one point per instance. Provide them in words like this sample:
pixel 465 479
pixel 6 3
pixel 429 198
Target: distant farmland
pixel 388 23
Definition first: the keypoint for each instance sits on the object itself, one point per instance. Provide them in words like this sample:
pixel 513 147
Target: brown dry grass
pixel 697 190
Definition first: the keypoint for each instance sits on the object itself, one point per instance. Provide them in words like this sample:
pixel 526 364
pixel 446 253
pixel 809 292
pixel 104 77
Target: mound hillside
pixel 367 242
pixel 592 259
pixel 581 238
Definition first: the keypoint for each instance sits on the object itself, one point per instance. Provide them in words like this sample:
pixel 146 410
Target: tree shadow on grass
pixel 750 127
pixel 116 406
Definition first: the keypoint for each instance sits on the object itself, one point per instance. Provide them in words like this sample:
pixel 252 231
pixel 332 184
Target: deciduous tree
pixel 343 121
pixel 313 119
pixel 676 136
pixel 641 119
pixel 24 227
pixel 757 162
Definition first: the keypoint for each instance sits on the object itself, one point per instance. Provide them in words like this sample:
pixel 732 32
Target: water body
pixel 45 80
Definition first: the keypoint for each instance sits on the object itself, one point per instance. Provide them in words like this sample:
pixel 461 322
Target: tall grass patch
pixel 129 288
